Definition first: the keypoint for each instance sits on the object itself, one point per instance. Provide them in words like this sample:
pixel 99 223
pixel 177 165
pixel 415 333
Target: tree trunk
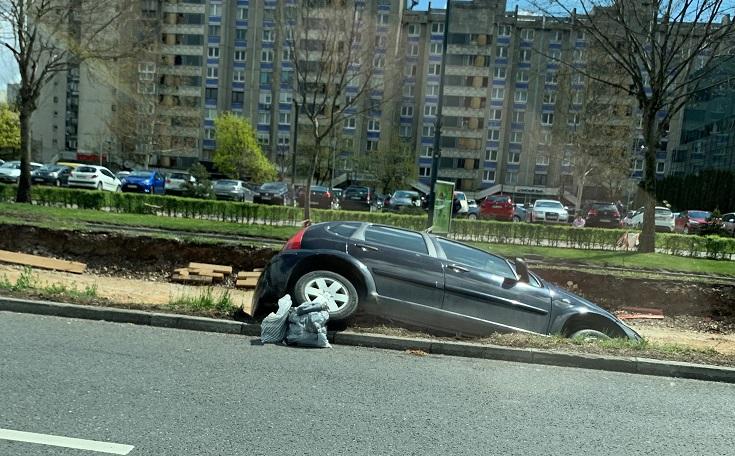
pixel 24 181
pixel 580 191
pixel 309 179
pixel 648 236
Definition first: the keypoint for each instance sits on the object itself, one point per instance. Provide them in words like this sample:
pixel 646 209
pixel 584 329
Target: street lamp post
pixel 293 151
pixel 438 125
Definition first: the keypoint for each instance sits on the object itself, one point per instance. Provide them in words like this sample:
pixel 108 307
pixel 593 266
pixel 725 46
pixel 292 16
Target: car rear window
pixel 549 204
pixel 663 212
pixel 400 239
pixel 179 176
pixel 343 229
pixel 500 199
pixel 272 186
pixel 700 214
pixel 141 173
pixel 356 191
pixel 605 206
pixel 86 169
pixel 225 183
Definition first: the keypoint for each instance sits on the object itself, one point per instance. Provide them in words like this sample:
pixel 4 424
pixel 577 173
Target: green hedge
pixel 471 230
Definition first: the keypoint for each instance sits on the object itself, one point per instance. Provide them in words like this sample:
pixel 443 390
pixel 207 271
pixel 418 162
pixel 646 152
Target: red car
pixel 497 207
pixel 692 221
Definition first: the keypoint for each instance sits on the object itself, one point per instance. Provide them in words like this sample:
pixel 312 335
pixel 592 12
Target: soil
pixel 133 271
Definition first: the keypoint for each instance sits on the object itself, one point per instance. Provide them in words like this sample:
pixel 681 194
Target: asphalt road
pixel 172 392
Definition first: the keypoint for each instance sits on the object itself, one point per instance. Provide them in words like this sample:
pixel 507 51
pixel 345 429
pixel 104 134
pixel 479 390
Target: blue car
pixel 144 181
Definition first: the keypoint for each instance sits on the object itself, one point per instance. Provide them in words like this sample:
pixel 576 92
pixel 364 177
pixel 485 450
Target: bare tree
pixel 336 68
pixel 663 50
pixel 53 36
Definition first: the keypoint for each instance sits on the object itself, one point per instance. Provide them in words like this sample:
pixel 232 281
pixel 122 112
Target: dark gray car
pixel 424 280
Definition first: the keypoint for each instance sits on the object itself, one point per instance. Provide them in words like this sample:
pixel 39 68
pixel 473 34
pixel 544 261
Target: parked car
pixel 232 189
pixel 273 193
pixel 424 280
pixel 122 175
pixel 692 221
pixel 664 219
pixel 728 223
pixel 337 198
pixel 628 220
pixel 176 182
pixel 321 197
pixel 361 198
pixel 603 215
pixel 94 177
pixel 10 171
pixel 144 181
pixel 56 175
pixel 402 199
pixel 497 207
pixel 520 213
pixel 549 211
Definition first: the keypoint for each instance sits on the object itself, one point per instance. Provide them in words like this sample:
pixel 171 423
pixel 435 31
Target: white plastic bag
pixel 273 327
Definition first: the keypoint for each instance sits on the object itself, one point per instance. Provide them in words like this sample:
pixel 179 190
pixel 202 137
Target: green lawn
pixel 51 217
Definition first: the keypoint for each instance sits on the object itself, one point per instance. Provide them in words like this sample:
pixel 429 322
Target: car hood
pixel 9 172
pixel 277 191
pixel 225 188
pixel 138 180
pixel 405 201
pixel 558 210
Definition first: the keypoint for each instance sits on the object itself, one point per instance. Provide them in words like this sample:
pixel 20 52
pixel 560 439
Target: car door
pixel 157 183
pixel 107 179
pixel 482 286
pixel 401 264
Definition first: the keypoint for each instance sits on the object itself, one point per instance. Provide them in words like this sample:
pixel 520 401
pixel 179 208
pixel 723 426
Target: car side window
pixel 399 239
pixel 107 173
pixel 478 259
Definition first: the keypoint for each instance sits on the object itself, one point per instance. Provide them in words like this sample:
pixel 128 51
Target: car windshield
pixel 318 189
pixel 700 214
pixel 10 165
pixel 226 183
pixel 356 191
pixel 141 174
pixel 273 186
pixel 604 207
pixel 549 204
pixel 182 176
pixel 86 169
pixel 405 194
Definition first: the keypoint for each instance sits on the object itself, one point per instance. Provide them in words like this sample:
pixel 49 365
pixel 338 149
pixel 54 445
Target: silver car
pixel 176 182
pixel 229 189
pixel 550 211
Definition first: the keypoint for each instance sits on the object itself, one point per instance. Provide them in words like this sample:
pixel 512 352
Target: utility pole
pixel 293 150
pixel 438 126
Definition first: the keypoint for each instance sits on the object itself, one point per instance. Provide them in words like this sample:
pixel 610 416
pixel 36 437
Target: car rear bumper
pixel 82 183
pixel 279 200
pixel 9 179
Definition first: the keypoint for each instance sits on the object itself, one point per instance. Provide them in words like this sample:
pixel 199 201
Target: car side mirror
pixel 522 271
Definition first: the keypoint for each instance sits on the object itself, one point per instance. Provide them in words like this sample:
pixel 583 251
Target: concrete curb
pixel 629 365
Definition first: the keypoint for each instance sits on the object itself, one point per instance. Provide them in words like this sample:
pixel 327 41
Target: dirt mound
pixel 134 255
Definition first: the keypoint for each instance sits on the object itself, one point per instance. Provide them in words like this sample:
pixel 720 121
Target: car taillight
pixel 295 242
pixel 168 181
pixel 329 195
pixel 592 212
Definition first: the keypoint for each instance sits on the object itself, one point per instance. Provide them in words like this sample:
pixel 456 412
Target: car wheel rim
pixel 333 292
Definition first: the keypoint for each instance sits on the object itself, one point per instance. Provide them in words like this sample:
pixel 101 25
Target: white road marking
pixel 66 442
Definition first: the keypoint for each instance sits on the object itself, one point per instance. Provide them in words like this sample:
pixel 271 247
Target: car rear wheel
pixel 516 219
pixel 339 294
pixel 588 335
pixel 472 217
pixel 686 230
pixel 99 186
pixel 57 183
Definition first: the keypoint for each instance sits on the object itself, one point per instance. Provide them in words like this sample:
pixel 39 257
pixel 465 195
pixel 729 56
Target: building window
pixel 209 133
pixel 381 41
pixel 516 137
pixel 268 36
pixel 285 97
pixel 239 56
pixel 527 34
pixel 266 55
pixel 514 157
pixel 379 61
pixel 555 55
pixel 545 138
pixel 578 56
pixel 552 77
pixel 286 55
pixel 413 30
pixel 575 119
pixel 549 97
pixel 264 139
pixel 240 34
pixel 493 135
pixel 210 113
pixel 504 30
pixel 427 131
pixel 404 131
pixel 430 110
pixel 424 171
pixel 408 90
pixel 511 177
pixel 638 164
pixel 525 56
pixel 266 77
pixel 519 116
pixel 539 179
pixel 264 117
pixel 383 19
pixel 284 118
pixel 284 141
pixel 578 79
pixel 406 110
pixel 437 27
pixel 427 151
pixel 542 159
pixel 499 73
pixel 522 76
pixel 215 9
pixel 213 52
pixel 410 70
pixel 491 155
pixel 210 93
pixel 373 125
pixel 434 69
pixel 413 50
pixel 557 35
pixel 580 35
pixel 212 72
pixel 372 145
pixel 265 99
pixel 577 97
pixel 214 30
pixel 498 93
pixel 238 97
pixel 520 96
pixel 242 13
pixel 496 114
pixel 501 52
pixel 547 118
pixel 432 90
pixel 660 166
pixel 436 48
pixel 350 122
pixel 488 175
pixel 238 76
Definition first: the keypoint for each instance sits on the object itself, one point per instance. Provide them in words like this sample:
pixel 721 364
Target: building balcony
pixel 181 70
pixel 175 7
pixel 453 152
pixel 454 70
pixel 469 49
pixel 181 132
pixel 180 49
pixel 179 111
pixel 181 91
pixel 183 29
pixel 462 111
pixel 464 91
pixel 460 173
pixel 463 132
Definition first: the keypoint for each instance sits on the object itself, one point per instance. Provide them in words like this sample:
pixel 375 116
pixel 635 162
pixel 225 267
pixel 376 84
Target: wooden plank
pixel 191 279
pixel 202 273
pixel 211 267
pixel 182 271
pixel 247 274
pixel 42 262
pixel 247 283
pixel 258 269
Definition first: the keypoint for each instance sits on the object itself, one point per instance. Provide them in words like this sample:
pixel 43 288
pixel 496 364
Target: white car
pixel 549 211
pixel 10 171
pixel 176 182
pixel 95 177
pixel 664 219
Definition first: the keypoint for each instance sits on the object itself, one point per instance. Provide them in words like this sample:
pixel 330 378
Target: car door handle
pixel 457 268
pixel 366 247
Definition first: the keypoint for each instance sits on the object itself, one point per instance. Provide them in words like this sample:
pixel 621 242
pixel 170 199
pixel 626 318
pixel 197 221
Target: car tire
pixel 118 189
pixel 57 183
pixel 685 230
pixel 516 219
pixel 312 284
pixel 99 186
pixel 589 335
pixel 472 217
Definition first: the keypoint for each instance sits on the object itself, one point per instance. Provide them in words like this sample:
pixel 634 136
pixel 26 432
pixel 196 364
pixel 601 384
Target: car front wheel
pixel 335 290
pixel 588 335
